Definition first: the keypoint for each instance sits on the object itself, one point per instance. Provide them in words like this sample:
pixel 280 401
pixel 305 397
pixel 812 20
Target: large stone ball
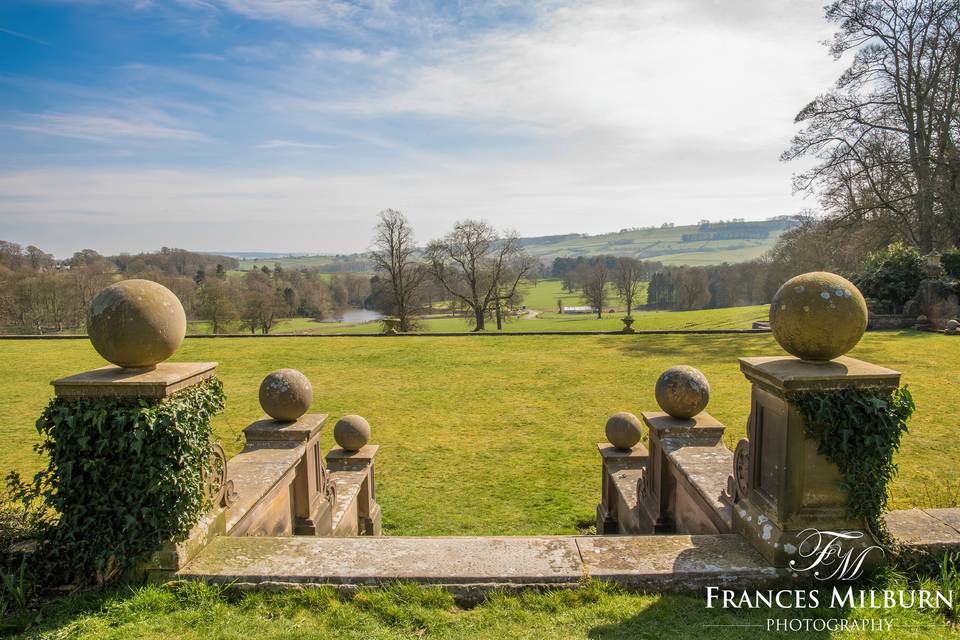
pixel 352 432
pixel 286 394
pixel 623 430
pixel 136 323
pixel 818 316
pixel 682 391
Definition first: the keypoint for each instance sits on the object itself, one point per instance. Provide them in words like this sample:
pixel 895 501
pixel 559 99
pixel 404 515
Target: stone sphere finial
pixel 818 316
pixel 682 391
pixel 136 324
pixel 286 394
pixel 623 430
pixel 352 432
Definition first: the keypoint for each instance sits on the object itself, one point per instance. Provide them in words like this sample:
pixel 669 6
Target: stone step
pixel 661 563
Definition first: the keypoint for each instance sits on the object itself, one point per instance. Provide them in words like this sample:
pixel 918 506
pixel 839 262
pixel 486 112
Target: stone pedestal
pixel 781 484
pixel 620 471
pixel 153 384
pixel 116 382
pixel 657 490
pixel 312 492
pixel 345 463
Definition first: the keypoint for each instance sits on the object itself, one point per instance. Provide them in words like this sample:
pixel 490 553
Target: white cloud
pixel 610 114
pixel 634 73
pixel 310 211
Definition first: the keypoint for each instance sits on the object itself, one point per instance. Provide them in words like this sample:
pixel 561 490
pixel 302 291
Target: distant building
pixel 578 310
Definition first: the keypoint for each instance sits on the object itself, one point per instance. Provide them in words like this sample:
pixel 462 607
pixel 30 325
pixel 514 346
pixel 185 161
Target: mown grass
pixel 595 611
pixel 486 435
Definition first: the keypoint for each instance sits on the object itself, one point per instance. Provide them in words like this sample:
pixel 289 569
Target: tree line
pixel 39 294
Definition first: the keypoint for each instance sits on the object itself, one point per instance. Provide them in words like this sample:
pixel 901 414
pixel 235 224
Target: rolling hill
pixel 702 244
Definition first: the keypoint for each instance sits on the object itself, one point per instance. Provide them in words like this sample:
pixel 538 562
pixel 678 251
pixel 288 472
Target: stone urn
pixel 627 324
pixel 391 326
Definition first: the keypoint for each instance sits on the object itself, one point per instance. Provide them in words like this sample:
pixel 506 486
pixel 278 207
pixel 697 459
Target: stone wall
pixel 887 321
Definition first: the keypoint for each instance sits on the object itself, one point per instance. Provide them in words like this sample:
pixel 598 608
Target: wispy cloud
pixel 24 36
pixel 301 12
pixel 100 127
pixel 292 144
pixel 355 55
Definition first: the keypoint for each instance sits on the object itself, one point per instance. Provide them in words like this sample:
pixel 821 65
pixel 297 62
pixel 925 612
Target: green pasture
pixel 544 295
pixel 294 262
pixel 541 302
pixel 486 435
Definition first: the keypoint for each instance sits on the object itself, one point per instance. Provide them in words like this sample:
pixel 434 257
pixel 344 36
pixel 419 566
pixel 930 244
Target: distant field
pixel 497 435
pixel 665 245
pixel 541 300
pixel 544 295
pixel 540 315
pixel 731 318
pixel 298 262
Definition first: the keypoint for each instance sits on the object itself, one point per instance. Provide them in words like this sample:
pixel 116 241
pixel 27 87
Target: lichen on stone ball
pixel 136 323
pixel 682 391
pixel 818 316
pixel 352 432
pixel 286 394
pixel 623 430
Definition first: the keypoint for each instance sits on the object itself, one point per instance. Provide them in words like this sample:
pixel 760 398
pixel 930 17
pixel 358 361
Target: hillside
pixel 703 244
pixel 706 243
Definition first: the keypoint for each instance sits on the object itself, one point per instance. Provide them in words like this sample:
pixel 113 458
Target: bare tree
pixel 394 257
pixel 628 278
pixel 479 267
pixel 593 277
pixel 216 303
pixel 262 302
pixel 691 289
pixel 887 134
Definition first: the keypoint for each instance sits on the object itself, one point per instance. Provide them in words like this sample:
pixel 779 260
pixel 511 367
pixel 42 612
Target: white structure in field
pixel 579 310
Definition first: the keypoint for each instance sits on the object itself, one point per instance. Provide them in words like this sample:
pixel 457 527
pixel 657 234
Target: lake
pixel 356 316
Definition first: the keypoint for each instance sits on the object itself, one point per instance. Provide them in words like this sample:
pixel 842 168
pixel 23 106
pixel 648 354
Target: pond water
pixel 355 316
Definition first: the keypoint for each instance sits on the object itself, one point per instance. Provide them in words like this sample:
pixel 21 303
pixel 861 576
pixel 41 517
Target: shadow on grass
pixel 683 617
pixel 715 346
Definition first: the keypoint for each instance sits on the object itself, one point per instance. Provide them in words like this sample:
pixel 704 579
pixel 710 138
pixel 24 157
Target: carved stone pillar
pixel 657 491
pixel 313 493
pixel 357 470
pixel 782 485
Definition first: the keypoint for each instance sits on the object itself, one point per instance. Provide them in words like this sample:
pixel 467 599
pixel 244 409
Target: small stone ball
pixel 623 430
pixel 136 323
pixel 922 319
pixel 953 326
pixel 352 432
pixel 682 391
pixel 286 394
pixel 818 316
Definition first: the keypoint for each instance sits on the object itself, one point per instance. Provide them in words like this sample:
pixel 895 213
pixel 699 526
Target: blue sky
pixel 285 125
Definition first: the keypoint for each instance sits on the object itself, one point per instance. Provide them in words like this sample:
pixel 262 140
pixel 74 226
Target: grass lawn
pixel 597 612
pixel 479 436
pixel 287 325
pixel 496 435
